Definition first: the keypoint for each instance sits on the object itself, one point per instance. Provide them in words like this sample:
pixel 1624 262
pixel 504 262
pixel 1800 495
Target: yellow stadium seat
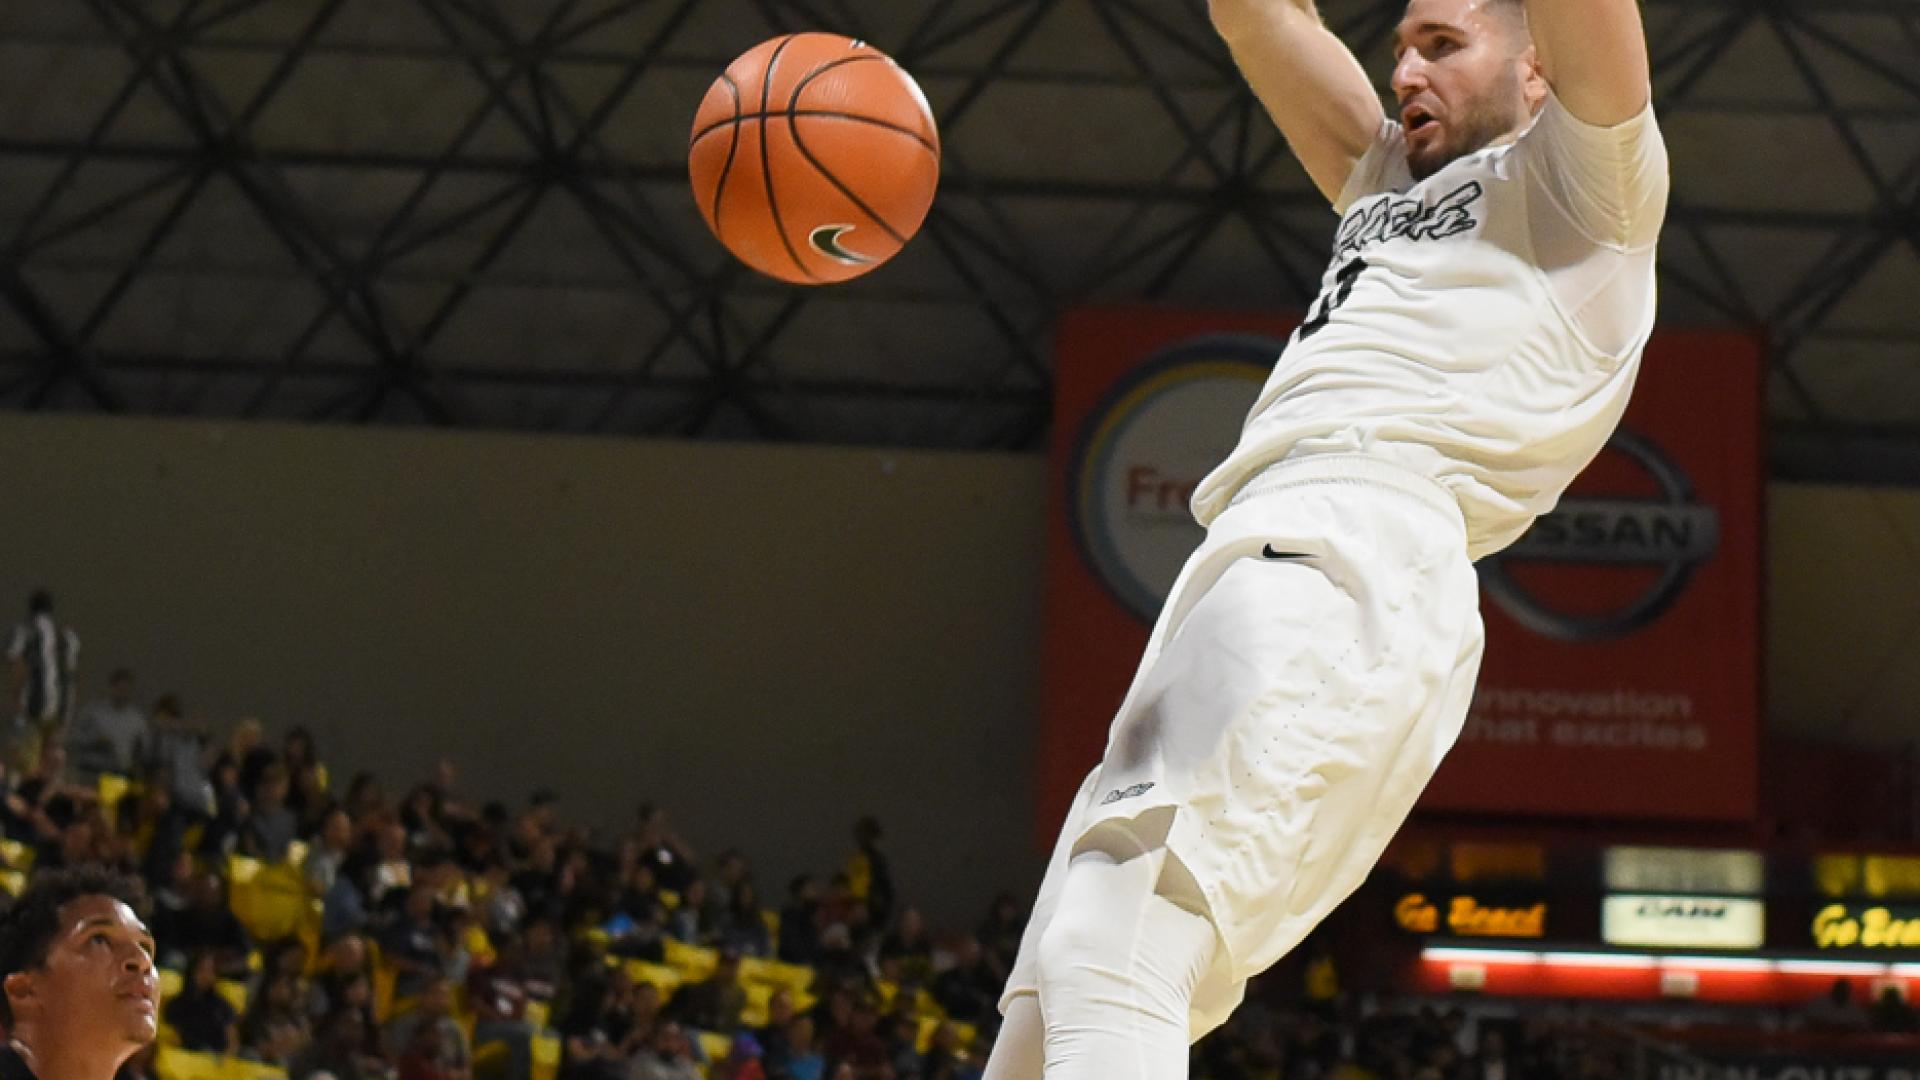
pixel 772 918
pixel 171 983
pixel 695 962
pixel 669 899
pixel 538 1013
pixel 491 1058
pixel 13 881
pixel 172 1064
pixel 795 977
pixel 17 855
pixel 175 1064
pixel 667 979
pixel 272 900
pixel 235 992
pixel 716 1045
pixel 112 789
pixel 546 1056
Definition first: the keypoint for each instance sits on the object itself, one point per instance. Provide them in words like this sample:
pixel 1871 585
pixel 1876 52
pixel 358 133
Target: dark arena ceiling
pixel 475 213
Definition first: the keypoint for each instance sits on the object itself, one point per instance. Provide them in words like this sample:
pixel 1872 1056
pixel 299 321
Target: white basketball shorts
pixel 1312 665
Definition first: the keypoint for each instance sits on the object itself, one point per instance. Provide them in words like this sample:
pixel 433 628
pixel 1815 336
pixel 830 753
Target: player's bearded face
pixel 1458 79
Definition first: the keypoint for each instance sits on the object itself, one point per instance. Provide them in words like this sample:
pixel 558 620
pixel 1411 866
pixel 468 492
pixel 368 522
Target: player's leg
pixel 1019 1050
pixel 1017 1053
pixel 1118 966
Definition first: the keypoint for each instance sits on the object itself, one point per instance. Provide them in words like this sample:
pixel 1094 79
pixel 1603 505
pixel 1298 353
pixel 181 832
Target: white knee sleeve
pixel 1019 1051
pixel 1118 964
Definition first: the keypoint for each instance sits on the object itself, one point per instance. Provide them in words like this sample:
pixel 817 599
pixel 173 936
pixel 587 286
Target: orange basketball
pixel 814 158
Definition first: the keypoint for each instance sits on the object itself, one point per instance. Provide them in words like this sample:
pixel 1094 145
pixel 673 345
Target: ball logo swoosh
pixel 826 241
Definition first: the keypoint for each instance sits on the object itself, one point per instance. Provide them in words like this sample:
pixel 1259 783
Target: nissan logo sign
pixel 1671 534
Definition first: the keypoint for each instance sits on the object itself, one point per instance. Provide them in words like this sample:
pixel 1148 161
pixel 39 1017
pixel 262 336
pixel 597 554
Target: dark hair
pixel 40 602
pixel 28 927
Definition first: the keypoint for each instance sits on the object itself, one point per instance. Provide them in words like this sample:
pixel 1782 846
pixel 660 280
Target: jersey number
pixel 1328 303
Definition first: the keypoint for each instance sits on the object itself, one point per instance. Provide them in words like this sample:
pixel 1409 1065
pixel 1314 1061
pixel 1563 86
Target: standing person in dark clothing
pixel 869 872
pixel 42 656
pixel 81 992
pixel 203 1017
pixel 800 922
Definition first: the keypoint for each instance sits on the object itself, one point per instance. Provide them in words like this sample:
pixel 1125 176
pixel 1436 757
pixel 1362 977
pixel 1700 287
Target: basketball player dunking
pixel 76 963
pixel 1480 324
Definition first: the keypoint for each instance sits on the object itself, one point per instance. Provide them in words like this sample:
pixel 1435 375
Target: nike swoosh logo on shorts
pixel 1268 553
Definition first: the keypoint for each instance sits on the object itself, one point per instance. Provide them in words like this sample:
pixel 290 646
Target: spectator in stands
pixel 232 808
pixel 498 994
pixel 143 821
pixel 201 1015
pixel 944 1059
pixel 392 870
pixel 696 921
pixel 745 925
pixel 420 816
pixel 743 1061
pixel 272 827
pixel 280 1000
pixel 715 1003
pixel 800 921
pixel 177 752
pixel 729 870
pixel 416 945
pixel 43 656
pixel 858 1042
pixel 109 735
pixel 306 782
pixel 802 1060
pixel 909 947
pixel 40 808
pixel 449 1052
pixel 285 1040
pixel 1835 1010
pixel 247 752
pixel 342 961
pixel 366 801
pixel 900 1030
pixel 538 879
pixel 1000 931
pixel 336 1050
pixel 671 858
pixel 772 1035
pixel 207 925
pixel 544 963
pixel 667 1056
pixel 837 964
pixel 970 990
pixel 869 873
pixel 1892 1014
pixel 1494 1063
pixel 600 1032
pixel 332 849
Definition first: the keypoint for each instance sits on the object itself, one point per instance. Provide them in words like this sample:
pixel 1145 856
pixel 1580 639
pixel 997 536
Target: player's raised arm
pixel 1308 81
pixel 1594 55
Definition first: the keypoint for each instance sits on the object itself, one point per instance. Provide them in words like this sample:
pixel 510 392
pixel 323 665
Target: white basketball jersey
pixel 1481 327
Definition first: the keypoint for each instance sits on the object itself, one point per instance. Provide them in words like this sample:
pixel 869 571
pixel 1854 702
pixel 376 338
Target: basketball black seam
pixel 822 114
pixel 733 148
pixel 793 128
pixel 766 162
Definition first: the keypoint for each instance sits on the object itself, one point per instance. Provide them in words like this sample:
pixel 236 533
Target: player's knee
pixel 1074 944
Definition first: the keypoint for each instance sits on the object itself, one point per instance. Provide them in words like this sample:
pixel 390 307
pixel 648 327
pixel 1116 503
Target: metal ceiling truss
pixel 208 232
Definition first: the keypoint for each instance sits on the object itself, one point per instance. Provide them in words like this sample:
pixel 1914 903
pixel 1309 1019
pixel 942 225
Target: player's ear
pixel 21 990
pixel 1533 79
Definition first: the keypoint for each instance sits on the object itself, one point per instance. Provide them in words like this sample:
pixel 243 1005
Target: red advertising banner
pixel 1622 668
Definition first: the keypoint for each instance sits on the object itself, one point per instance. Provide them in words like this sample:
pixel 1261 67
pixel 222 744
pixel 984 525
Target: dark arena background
pixel 377 400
